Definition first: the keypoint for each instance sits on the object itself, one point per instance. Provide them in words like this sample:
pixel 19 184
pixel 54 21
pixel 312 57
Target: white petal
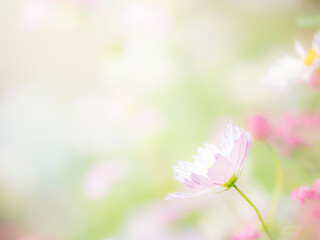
pixel 299 48
pixel 240 150
pixel 205 156
pixel 228 139
pixel 285 71
pixel 188 194
pixel 211 149
pixel 189 167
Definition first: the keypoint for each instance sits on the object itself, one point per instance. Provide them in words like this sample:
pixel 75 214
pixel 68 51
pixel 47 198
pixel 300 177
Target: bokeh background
pixel 100 98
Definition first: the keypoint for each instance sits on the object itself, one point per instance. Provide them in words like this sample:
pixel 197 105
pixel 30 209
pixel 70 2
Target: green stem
pixel 254 207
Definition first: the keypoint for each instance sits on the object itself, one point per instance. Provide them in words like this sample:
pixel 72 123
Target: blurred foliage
pixel 309 21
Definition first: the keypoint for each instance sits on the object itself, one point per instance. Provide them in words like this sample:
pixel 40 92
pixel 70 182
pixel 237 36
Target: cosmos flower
pixel 289 69
pixel 214 167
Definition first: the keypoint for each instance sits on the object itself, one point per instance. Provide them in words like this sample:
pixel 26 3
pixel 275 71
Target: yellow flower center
pixel 311 56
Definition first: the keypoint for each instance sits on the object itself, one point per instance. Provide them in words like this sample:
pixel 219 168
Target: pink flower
pixel 301 194
pixel 249 233
pixel 286 130
pixel 307 193
pixel 289 69
pixel 307 221
pixel 259 127
pixel 293 130
pixel 214 167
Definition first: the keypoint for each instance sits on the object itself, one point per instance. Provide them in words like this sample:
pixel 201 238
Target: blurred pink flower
pixel 102 176
pixel 214 167
pixel 307 193
pixel 249 233
pixel 307 221
pixel 301 194
pixel 289 69
pixel 293 130
pixel 288 131
pixel 259 127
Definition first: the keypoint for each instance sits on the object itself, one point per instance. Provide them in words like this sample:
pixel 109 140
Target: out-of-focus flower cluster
pixel 288 131
pixel 307 215
pixel 305 193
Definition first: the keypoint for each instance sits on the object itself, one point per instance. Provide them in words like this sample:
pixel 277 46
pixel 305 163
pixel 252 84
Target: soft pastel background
pixel 100 98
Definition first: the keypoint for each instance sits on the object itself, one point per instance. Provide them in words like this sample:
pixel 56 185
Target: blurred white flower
pixel 285 71
pixel 288 70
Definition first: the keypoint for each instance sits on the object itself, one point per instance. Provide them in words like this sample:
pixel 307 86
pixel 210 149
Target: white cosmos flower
pixel 288 70
pixel 214 167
